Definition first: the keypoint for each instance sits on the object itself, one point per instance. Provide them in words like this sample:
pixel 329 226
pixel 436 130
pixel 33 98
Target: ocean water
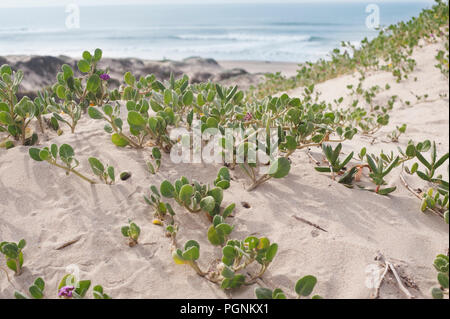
pixel 264 32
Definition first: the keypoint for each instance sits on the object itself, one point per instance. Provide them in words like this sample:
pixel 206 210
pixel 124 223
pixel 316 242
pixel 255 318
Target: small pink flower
pixel 66 291
pixel 105 77
pixel 248 116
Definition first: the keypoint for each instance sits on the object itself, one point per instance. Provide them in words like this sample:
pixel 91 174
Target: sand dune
pixel 48 209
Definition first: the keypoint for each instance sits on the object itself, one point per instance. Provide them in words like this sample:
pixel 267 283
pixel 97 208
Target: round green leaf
pixel 36 292
pixel 437 293
pixel 263 293
pixel 217 193
pixel 61 92
pixel 96 166
pixel 280 168
pixel 67 71
pixel 66 151
pixel 129 79
pixel 271 252
pixel 44 154
pixel 98 54
pixel 34 154
pixel 93 83
pixel 156 153
pixel 443 280
pixel 214 237
pixel 305 286
pixel 95 113
pixel 186 193
pixel 119 140
pixel 136 119
pixel 227 211
pixel 167 189
pixel 84 66
pixel 6 118
pixel 208 203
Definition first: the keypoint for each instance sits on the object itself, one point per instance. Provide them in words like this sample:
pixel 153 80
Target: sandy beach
pixel 352 226
pixel 352 203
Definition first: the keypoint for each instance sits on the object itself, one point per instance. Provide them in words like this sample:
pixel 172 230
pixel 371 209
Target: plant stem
pixel 264 178
pixel 123 135
pixel 39 118
pixel 194 265
pixel 254 278
pixel 71 170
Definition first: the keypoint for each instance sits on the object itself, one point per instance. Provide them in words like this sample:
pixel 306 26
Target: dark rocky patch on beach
pixel 41 71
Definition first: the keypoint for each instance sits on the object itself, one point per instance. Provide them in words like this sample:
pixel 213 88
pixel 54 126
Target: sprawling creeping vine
pixel 390 51
pixel 14 255
pixel 140 123
pixel 154 108
pixel 237 256
pixel 69 288
pixel 36 290
pixel 196 197
pixel 303 288
pixel 66 155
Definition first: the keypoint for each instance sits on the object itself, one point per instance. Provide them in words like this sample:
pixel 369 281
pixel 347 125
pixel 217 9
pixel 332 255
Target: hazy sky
pixel 29 3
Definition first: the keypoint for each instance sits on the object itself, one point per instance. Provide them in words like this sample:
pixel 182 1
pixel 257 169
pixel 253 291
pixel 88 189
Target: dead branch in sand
pixel 388 266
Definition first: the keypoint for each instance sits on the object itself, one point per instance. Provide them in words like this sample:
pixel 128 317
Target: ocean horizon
pixel 258 32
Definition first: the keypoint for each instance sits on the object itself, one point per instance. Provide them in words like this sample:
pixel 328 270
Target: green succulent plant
pixel 14 255
pixel 238 255
pixel 36 290
pixel 379 171
pixel 336 166
pixel 431 165
pixel 156 156
pixel 219 231
pixel 196 197
pixel 99 293
pixel 15 115
pixel 395 135
pixel 303 288
pixel 132 232
pixel 436 201
pixel 66 155
pixel 160 209
pixel 77 93
pixel 441 265
pixel 189 256
pixel 70 287
pixel 106 174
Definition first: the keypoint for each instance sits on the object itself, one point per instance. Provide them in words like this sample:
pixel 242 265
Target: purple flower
pixel 105 77
pixel 66 291
pixel 248 116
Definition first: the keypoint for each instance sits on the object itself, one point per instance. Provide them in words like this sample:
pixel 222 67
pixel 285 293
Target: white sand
pixel 48 208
